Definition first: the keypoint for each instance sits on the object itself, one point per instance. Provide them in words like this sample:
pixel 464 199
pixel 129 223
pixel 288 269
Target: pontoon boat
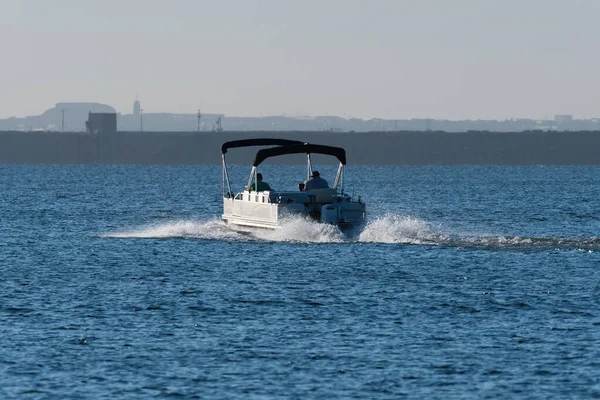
pixel 266 209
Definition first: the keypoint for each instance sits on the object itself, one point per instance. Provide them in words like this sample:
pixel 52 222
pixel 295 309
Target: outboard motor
pixel 329 214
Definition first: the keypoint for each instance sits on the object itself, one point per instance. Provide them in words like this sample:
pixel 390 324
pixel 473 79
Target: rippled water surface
pixel 467 282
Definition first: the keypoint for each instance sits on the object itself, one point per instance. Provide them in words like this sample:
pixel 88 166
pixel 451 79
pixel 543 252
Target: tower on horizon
pixel 136 107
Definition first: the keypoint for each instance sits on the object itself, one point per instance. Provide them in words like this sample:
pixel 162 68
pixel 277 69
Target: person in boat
pixel 260 185
pixel 316 182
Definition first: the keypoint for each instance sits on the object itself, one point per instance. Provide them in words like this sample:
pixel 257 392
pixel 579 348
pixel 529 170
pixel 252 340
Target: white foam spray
pixel 303 230
pixel 210 230
pixel 392 228
pixel 295 229
pixel 389 228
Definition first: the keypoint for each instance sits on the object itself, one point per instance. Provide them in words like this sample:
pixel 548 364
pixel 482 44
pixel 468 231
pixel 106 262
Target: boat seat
pixel 289 197
pixel 322 195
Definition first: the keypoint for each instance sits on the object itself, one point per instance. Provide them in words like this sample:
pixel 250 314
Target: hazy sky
pixel 454 59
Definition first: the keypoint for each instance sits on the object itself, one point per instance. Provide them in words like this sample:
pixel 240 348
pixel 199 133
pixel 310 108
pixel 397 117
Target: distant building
pixel 563 118
pixel 136 108
pixel 75 114
pixel 101 123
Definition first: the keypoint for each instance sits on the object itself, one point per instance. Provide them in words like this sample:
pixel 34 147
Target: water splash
pixel 210 230
pixel 303 230
pixel 396 229
pixel 295 229
pixel 390 229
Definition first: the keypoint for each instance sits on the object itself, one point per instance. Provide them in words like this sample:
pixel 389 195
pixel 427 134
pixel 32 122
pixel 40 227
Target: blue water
pixel 468 282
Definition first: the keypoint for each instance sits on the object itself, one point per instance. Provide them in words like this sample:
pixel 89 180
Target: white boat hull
pixel 266 209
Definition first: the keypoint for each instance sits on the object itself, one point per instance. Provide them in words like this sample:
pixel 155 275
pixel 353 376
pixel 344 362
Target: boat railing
pixel 325 195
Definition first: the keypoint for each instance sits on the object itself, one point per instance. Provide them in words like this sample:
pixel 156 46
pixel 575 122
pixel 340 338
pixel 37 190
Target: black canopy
pixel 263 154
pixel 258 142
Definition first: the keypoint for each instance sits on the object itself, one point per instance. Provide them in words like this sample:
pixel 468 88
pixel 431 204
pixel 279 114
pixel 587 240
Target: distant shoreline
pixel 368 148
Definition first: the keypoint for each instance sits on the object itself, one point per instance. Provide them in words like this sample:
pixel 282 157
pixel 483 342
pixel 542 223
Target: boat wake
pixel 387 229
pixel 409 230
pixel 301 230
pixel 208 230
pixel 395 229
pixel 298 230
pixel 525 243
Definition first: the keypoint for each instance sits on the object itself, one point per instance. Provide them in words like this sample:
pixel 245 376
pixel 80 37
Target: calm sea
pixel 467 282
